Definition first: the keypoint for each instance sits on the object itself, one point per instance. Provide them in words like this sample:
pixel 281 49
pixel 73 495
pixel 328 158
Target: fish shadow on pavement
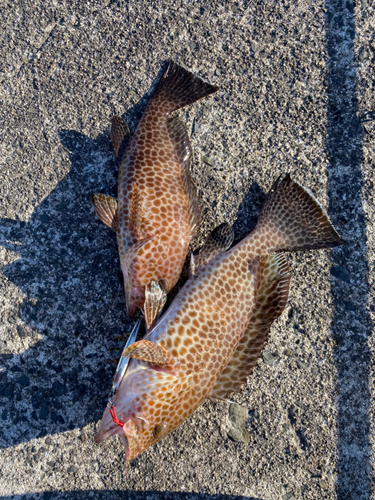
pixel 248 212
pixel 74 306
pixel 118 494
pixel 74 309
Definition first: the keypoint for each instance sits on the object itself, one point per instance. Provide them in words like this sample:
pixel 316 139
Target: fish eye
pixel 158 429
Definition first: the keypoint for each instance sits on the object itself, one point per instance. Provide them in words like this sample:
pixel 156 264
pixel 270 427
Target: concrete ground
pixel 297 95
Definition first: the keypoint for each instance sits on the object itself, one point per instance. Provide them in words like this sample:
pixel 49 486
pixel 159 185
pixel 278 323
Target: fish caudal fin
pixel 105 209
pixel 180 87
pixel 271 297
pixel 292 220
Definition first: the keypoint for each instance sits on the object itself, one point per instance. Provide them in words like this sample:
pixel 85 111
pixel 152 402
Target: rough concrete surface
pixel 297 95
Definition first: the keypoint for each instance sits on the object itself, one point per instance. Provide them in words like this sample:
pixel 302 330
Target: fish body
pixel 158 211
pixel 233 297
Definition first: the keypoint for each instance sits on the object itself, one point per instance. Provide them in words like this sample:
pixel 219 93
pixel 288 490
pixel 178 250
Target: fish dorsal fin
pixel 272 293
pixel 219 240
pixel 106 209
pixel 155 298
pixel 119 131
pixel 180 139
pixel 150 351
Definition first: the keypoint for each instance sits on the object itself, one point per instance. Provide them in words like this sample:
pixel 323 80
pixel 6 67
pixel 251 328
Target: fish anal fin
pixel 105 209
pixel 272 293
pixel 146 350
pixel 181 141
pixel 219 240
pixel 119 131
pixel 155 298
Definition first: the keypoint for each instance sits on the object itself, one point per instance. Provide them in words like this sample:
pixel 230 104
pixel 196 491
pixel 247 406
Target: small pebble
pixel 238 416
pixel 289 353
pixel 287 496
pixel 301 364
pixel 193 46
pixel 270 357
pixel 207 160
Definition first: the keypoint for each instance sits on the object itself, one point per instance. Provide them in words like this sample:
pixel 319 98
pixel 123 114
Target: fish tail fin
pixel 179 87
pixel 292 219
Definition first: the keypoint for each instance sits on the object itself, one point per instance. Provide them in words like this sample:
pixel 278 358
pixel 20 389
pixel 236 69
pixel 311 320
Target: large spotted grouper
pixel 208 341
pixel 157 212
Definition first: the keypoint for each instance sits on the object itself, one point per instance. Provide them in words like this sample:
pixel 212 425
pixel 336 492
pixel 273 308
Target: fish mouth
pixel 131 444
pixel 107 428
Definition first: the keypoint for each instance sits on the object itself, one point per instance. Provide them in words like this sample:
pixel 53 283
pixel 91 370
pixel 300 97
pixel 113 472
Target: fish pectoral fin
pixel 220 239
pixel 155 298
pixel 272 294
pixel 150 351
pixel 106 209
pixel 181 142
pixel 119 131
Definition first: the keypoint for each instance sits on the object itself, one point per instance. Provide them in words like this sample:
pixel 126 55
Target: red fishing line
pixel 112 411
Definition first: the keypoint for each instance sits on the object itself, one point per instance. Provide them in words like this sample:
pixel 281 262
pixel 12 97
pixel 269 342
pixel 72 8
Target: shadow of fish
pixel 157 212
pixel 198 348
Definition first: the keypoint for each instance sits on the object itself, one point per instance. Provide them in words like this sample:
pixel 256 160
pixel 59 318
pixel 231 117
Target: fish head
pixel 149 404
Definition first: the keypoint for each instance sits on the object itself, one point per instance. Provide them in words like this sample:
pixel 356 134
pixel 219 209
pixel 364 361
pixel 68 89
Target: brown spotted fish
pixel 208 341
pixel 157 212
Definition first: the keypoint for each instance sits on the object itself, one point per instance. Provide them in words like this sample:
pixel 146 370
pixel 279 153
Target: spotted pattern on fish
pixel 206 321
pixel 156 197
